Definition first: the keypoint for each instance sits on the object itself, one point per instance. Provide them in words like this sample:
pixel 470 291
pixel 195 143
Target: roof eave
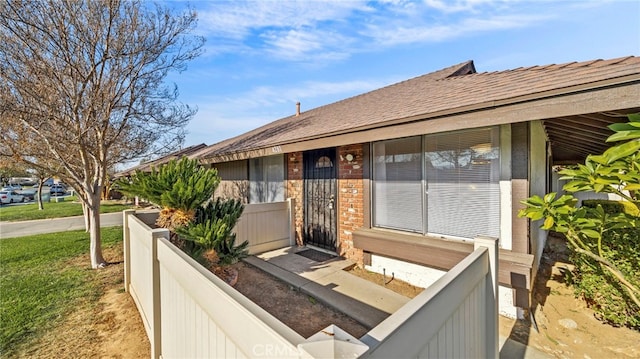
pixel 275 148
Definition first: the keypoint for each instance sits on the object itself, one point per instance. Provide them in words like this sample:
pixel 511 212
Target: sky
pixel 261 57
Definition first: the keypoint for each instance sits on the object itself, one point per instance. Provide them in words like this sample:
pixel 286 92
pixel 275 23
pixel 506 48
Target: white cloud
pixel 401 34
pixel 450 6
pixel 319 32
pixel 239 18
pixel 303 44
pixel 287 30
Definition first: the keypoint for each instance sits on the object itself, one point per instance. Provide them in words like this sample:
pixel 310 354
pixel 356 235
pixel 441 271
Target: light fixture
pixel 482 148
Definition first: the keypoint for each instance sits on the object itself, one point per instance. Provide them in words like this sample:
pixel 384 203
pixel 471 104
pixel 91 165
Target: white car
pixel 12 187
pixel 10 197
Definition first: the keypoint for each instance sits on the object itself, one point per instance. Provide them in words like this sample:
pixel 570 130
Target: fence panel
pixel 267 226
pixel 204 317
pixel 141 273
pixel 140 267
pixel 450 319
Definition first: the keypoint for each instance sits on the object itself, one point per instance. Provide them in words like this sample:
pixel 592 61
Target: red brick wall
pixel 295 189
pixel 350 200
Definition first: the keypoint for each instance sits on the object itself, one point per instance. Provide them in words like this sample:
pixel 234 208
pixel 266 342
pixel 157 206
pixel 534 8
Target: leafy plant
pixel 617 171
pixel 201 227
pixel 212 233
pixel 602 292
pixel 180 187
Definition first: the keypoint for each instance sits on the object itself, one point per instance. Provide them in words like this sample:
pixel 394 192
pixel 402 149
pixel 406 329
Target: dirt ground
pixel 555 312
pixel 110 328
pixel 395 285
pixel 118 331
pixel 297 310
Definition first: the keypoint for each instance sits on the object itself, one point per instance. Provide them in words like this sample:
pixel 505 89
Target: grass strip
pixel 39 285
pixel 70 207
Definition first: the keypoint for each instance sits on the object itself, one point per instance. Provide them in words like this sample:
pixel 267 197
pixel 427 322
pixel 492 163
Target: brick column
pixel 295 189
pixel 350 199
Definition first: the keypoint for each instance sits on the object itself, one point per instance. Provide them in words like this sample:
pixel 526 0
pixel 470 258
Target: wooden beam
pixel 604 119
pixel 576 143
pixel 577 134
pixel 580 121
pixel 583 130
pixel 568 144
pixel 565 137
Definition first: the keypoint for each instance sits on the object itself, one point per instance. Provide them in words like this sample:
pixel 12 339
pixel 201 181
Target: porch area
pixel 368 303
pixel 189 312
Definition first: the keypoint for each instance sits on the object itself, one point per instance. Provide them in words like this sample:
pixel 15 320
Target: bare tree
pixel 82 87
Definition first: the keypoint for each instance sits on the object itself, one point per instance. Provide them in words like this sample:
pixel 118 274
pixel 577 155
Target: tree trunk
pixel 93 210
pixel 87 217
pixel 39 195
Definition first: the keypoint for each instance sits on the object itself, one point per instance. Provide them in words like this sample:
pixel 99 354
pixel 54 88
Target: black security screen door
pixel 320 198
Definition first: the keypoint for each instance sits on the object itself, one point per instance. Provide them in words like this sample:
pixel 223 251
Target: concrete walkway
pixel 52 225
pixel 366 302
pixel 328 282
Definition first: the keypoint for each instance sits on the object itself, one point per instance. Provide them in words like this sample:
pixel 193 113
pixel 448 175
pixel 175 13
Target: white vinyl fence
pixel 456 317
pixel 267 226
pixel 189 312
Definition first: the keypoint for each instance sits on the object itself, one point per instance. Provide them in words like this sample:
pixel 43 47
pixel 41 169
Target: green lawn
pixel 70 207
pixel 40 284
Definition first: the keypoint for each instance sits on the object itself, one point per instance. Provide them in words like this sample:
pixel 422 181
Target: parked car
pixel 29 194
pixel 27 182
pixel 57 189
pixel 10 197
pixel 12 187
pixel 46 183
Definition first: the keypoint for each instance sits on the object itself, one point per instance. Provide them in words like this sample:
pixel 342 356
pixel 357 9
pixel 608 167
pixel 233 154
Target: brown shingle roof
pixel 455 87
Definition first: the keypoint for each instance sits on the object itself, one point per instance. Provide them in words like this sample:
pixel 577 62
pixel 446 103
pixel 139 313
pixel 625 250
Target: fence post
pixel 156 341
pixel 491 322
pixel 291 211
pixel 126 247
pixel 332 342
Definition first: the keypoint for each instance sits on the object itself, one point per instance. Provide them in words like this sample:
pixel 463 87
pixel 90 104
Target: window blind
pixel 463 192
pixel 397 184
pixel 444 184
pixel 266 179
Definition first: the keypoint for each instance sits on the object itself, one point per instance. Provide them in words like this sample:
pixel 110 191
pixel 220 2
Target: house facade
pixel 403 179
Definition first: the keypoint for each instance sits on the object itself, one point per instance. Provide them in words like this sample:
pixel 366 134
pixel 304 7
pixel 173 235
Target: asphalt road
pixel 25 228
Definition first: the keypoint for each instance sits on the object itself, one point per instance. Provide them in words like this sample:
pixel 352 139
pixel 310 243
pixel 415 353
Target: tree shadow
pixel 555 251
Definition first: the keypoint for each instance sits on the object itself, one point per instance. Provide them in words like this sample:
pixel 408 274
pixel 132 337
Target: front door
pixel 320 198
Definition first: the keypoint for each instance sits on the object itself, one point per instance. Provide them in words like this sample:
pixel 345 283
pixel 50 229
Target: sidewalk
pixel 52 225
pixel 364 301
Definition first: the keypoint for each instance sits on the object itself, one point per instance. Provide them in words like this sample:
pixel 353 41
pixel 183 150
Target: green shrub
pixel 610 207
pixel 630 208
pixel 601 292
pixel 604 242
pixel 212 229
